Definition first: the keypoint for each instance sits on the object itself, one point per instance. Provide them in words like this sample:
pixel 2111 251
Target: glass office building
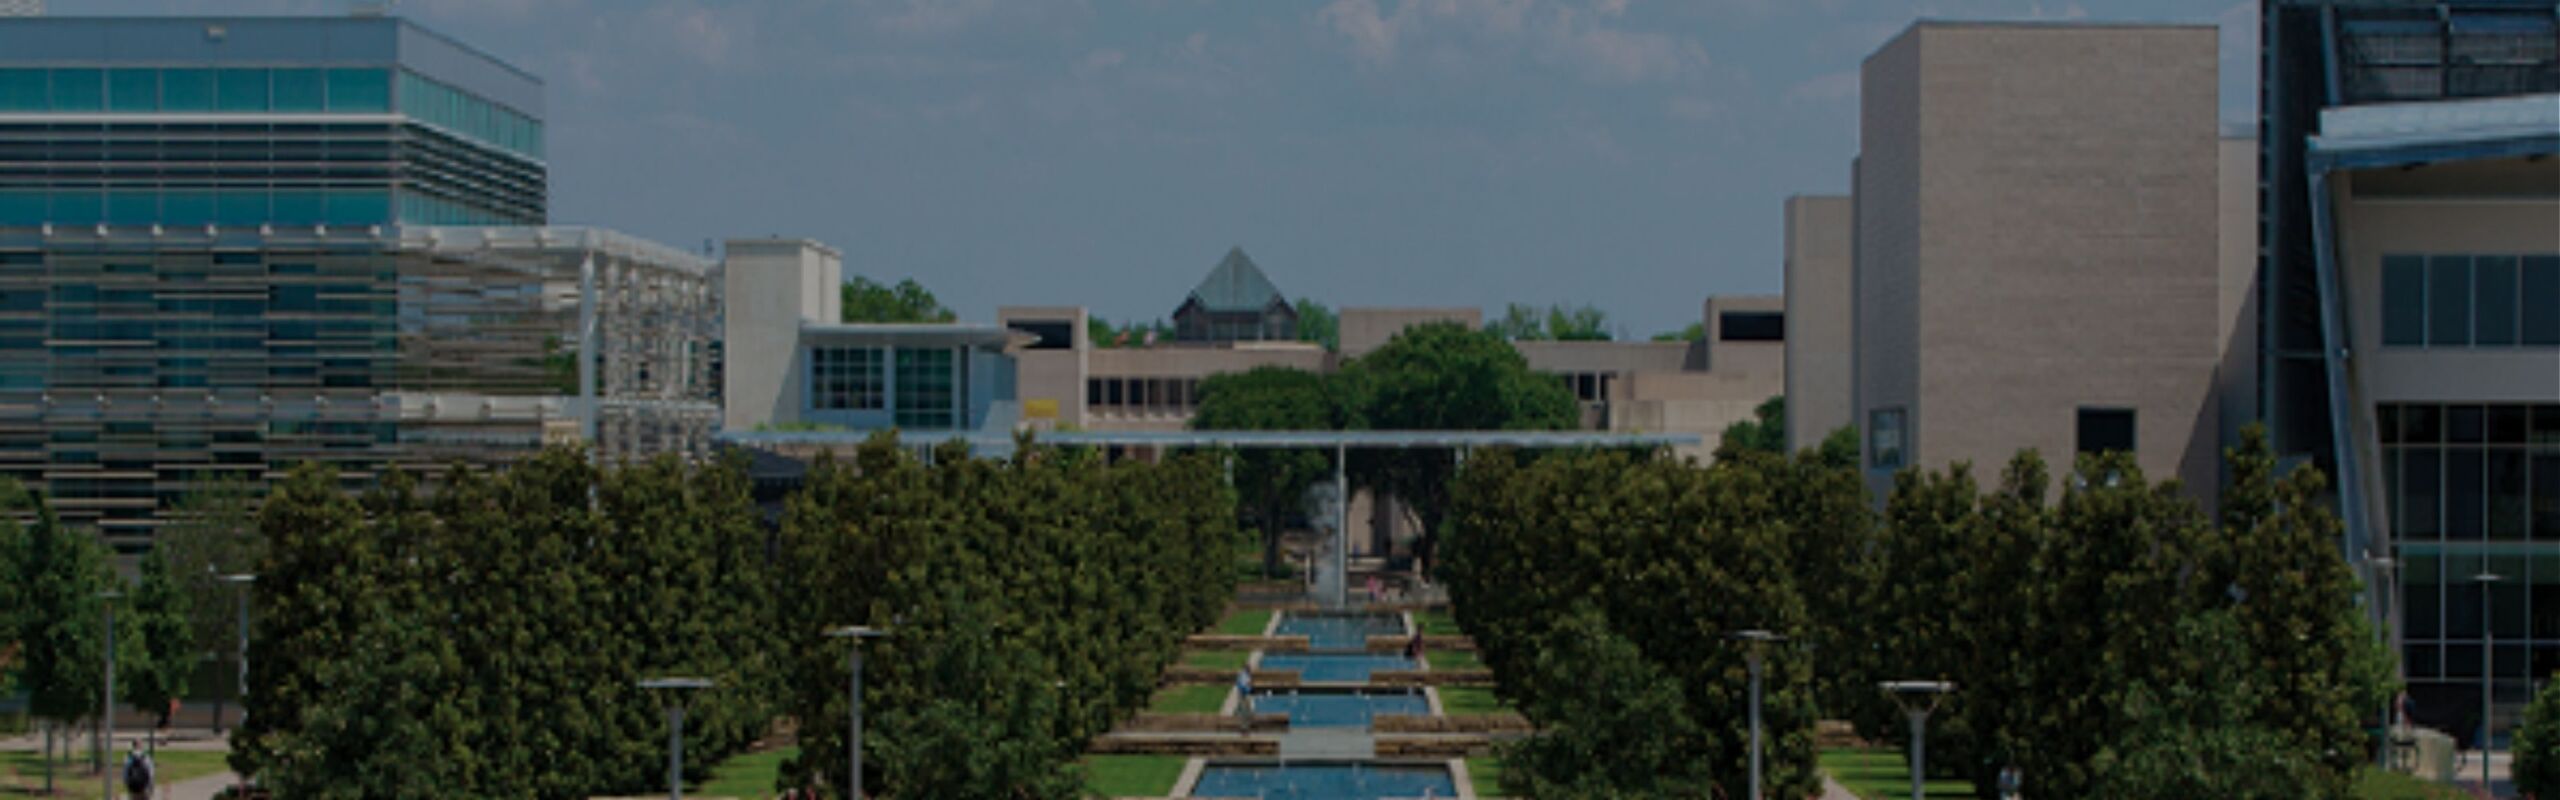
pixel 242 122
pixel 229 246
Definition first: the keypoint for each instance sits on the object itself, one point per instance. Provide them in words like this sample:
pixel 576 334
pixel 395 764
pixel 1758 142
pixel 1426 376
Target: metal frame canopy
pixel 1341 442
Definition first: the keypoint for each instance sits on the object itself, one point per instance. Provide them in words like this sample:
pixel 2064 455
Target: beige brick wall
pixel 2371 227
pixel 2045 226
pixel 1819 233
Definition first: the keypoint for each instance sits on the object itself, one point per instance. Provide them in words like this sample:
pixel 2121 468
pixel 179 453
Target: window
pixel 299 90
pixel 1752 326
pixel 2105 430
pixel 2540 305
pixel 2404 301
pixel 1887 438
pixel 1054 334
pixel 23 90
pixel 359 90
pixel 241 90
pixel 2448 301
pixel 844 378
pixel 79 90
pixel 925 383
pixel 133 90
pixel 1093 391
pixel 186 90
pixel 2493 303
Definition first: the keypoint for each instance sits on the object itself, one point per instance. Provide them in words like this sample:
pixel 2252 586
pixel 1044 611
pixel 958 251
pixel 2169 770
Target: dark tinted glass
pixel 2422 484
pixel 2449 301
pixel 2465 494
pixel 1053 335
pixel 2404 301
pixel 2465 424
pixel 2493 291
pixel 1752 326
pixel 2106 429
pixel 2539 293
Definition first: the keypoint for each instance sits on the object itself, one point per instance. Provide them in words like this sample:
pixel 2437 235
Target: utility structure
pixel 858 635
pixel 1918 699
pixel 1755 651
pixel 674 690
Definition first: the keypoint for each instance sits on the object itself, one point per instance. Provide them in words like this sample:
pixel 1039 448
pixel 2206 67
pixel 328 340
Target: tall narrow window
pixel 2540 295
pixel 2449 301
pixel 2493 303
pixel 2106 430
pixel 926 384
pixel 1887 438
pixel 2404 301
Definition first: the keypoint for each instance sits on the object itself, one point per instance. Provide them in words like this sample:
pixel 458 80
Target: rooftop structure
pixel 1235 303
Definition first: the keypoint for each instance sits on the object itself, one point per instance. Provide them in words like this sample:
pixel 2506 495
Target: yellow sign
pixel 1040 408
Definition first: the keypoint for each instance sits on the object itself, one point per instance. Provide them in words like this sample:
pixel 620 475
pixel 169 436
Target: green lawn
pixel 22 773
pixel 1196 699
pixel 1245 622
pixel 2378 785
pixel 747 775
pixel 1459 701
pixel 1453 659
pixel 1131 776
pixel 1221 660
pixel 1485 773
pixel 1883 775
pixel 1437 623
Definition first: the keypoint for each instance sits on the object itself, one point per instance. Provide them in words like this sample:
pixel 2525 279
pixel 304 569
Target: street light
pixel 853 732
pixel 676 687
pixel 2488 667
pixel 1755 651
pixel 241 582
pixel 107 709
pixel 1917 699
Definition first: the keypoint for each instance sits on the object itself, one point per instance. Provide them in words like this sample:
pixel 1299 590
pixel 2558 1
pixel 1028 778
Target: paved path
pixel 1832 790
pixel 203 788
pixel 1330 744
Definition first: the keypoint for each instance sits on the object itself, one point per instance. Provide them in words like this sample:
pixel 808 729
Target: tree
pixel 12 579
pixel 2537 744
pixel 1134 334
pixel 155 676
pixel 1839 449
pixel 1271 481
pixel 1766 432
pixel 2201 736
pixel 1317 323
pixel 213 531
pixel 1613 723
pixel 1695 332
pixel 1559 322
pixel 1442 376
pixel 61 573
pixel 866 300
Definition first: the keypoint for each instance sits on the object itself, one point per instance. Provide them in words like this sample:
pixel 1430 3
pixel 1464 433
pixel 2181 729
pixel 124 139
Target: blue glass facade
pixel 342 122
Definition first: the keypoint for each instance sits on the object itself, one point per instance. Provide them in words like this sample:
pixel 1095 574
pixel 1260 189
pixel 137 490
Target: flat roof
pixel 267 41
pixel 2431 123
pixel 1358 440
pixel 947 334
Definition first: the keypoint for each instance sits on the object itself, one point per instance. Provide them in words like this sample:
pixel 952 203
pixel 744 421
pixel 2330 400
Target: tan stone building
pixel 1819 231
pixel 2036 261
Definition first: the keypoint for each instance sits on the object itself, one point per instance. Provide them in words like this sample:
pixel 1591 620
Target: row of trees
pixel 488 640
pixel 2115 641
pixel 1032 604
pixel 1436 376
pixel 58 581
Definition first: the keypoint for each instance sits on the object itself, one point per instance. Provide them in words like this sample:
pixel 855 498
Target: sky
pixel 1634 155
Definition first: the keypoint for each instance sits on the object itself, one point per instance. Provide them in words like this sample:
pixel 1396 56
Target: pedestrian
pixel 1413 648
pixel 139 774
pixel 1244 701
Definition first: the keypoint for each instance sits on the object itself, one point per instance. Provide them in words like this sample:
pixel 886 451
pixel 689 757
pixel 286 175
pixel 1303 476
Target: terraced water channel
pixel 1330 713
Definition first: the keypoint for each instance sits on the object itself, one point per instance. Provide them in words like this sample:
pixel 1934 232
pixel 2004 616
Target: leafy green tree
pixel 2537 744
pixel 155 677
pixel 2201 735
pixel 213 531
pixel 1271 481
pixel 1765 432
pixel 1839 449
pixel 1614 724
pixel 867 300
pixel 13 544
pixel 61 573
pixel 1918 605
pixel 1695 332
pixel 1317 323
pixel 1442 376
pixel 1559 322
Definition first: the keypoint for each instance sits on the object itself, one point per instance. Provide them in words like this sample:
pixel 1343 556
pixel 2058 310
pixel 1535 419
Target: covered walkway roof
pixel 1315 439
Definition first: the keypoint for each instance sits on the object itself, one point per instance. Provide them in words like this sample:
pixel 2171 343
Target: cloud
pixel 937 17
pixel 1099 61
pixel 1372 37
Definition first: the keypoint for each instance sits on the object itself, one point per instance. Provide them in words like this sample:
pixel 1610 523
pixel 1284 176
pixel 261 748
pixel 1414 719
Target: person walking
pixel 139 773
pixel 1413 648
pixel 1244 701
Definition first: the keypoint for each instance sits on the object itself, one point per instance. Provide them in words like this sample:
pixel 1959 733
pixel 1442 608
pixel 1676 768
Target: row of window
pixel 925 394
pixel 195 89
pixel 1588 387
pixel 2095 429
pixel 238 207
pixel 464 113
pixel 2479 487
pixel 1131 395
pixel 2471 301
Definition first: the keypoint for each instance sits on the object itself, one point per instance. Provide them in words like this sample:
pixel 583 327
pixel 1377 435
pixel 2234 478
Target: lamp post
pixel 2375 567
pixel 107 708
pixel 1755 651
pixel 1918 699
pixel 2488 667
pixel 240 583
pixel 675 688
pixel 853 732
